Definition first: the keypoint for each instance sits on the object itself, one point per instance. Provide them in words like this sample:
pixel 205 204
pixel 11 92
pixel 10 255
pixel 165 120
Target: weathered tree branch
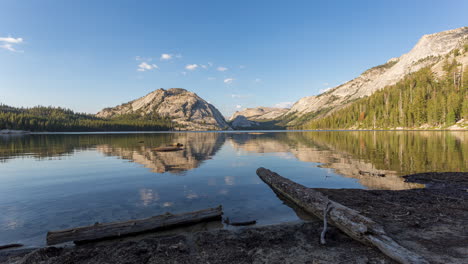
pixel 324 231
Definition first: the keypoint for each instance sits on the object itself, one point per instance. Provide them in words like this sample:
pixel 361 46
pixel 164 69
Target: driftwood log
pixel 227 221
pixel 131 227
pixel 166 149
pixel 176 145
pixel 346 219
pixel 10 246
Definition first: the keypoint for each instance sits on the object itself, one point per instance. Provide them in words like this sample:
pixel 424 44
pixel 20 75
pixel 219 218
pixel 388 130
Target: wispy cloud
pixel 8 46
pixel 166 56
pixel 229 80
pixel 222 69
pixel 234 96
pixel 238 106
pixel 284 104
pixel 8 43
pixel 241 66
pixel 139 58
pixel 146 67
pixel 211 78
pixel 191 67
pixel 257 80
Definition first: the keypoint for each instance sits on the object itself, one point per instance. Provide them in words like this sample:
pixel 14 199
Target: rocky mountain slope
pixel 429 50
pixel 240 122
pixel 186 109
pixel 260 113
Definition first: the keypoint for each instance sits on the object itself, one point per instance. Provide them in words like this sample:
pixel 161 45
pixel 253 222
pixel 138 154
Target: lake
pixel 57 181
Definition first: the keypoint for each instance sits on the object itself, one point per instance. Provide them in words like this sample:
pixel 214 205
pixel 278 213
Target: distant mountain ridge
pixel 257 118
pixel 186 109
pixel 260 113
pixel 428 51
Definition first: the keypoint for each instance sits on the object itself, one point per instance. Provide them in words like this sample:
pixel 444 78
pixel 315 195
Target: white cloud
pixel 234 96
pixel 210 64
pixel 284 104
pixel 229 80
pixel 191 67
pixel 7 43
pixel 166 56
pixel 146 67
pixel 221 69
pixel 203 66
pixel 238 106
pixel 11 40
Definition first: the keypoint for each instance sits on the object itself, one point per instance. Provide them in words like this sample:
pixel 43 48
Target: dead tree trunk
pixel 117 229
pixel 346 219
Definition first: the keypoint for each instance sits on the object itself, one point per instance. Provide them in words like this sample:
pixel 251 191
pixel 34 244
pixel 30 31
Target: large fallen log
pixel 346 219
pixel 117 229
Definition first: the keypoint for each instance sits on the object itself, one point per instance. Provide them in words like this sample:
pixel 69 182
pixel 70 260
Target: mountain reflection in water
pixel 356 154
pixel 58 181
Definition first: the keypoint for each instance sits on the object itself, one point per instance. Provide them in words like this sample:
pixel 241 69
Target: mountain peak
pixel 428 50
pixel 260 113
pixel 185 108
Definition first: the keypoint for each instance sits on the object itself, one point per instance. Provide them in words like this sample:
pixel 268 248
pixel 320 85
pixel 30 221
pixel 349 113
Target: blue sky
pixel 86 55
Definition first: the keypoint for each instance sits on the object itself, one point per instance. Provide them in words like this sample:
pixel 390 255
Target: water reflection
pixel 56 181
pixel 360 155
pixel 197 148
pixel 376 158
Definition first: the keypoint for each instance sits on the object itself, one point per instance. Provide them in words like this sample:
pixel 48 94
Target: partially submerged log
pixel 176 145
pixel 239 223
pixel 166 149
pixel 131 227
pixel 346 219
pixel 10 246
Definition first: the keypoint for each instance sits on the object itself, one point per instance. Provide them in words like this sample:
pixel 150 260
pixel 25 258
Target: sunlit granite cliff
pixel 184 108
pixel 428 51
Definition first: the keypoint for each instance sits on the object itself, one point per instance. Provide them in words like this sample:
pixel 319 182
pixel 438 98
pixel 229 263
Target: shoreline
pixel 429 221
pixel 231 131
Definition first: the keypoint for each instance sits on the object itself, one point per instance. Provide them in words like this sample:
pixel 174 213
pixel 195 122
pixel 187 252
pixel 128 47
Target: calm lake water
pixel 57 181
